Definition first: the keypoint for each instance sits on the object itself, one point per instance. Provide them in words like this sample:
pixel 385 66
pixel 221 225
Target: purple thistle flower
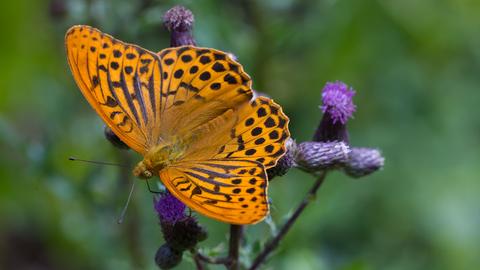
pixel 337 108
pixel 180 231
pixel 169 209
pixel 178 18
pixel 337 101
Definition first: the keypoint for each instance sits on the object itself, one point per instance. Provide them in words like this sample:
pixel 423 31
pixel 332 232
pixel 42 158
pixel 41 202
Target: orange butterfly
pixel 189 112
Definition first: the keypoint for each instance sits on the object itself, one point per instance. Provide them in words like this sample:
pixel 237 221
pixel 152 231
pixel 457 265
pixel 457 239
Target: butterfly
pixel 190 113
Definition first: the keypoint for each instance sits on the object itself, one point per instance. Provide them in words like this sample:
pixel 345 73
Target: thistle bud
pixel 318 156
pixel 363 161
pixel 285 162
pixel 184 234
pixel 114 139
pixel 57 9
pixel 167 257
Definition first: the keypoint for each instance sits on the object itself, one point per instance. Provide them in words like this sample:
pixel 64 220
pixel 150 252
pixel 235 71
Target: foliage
pixel 415 67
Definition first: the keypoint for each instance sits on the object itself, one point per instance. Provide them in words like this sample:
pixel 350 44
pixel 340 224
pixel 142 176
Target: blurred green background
pixel 415 66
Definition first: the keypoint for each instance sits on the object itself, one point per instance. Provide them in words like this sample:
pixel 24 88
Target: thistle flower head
pixel 337 101
pixel 337 108
pixel 180 231
pixel 169 209
pixel 178 18
pixel 179 21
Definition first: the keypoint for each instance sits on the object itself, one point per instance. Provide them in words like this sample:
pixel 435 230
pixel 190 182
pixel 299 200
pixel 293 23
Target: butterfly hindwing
pixel 256 131
pixel 222 174
pixel 232 191
pixel 259 133
pixel 120 81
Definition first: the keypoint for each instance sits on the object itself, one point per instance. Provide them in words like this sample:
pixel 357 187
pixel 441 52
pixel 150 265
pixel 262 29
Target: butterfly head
pixel 142 170
pixel 156 159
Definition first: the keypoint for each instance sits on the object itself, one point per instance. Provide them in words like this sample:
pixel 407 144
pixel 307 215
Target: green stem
pixel 236 234
pixel 273 243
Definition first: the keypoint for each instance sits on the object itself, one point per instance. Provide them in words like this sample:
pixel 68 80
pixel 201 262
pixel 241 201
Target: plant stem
pixel 197 260
pixel 212 260
pixel 273 243
pixel 236 234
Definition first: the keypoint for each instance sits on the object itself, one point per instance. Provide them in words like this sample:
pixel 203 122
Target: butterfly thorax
pixel 158 158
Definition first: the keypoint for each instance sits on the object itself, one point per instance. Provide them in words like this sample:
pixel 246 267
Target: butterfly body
pixel 158 158
pixel 191 114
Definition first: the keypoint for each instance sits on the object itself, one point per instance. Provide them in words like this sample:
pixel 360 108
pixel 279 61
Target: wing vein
pixel 139 95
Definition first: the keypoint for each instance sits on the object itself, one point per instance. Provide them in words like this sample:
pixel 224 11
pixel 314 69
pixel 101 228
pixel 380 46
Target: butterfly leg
pixel 151 190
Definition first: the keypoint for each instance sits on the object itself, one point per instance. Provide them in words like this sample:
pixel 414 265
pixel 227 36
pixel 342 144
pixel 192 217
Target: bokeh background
pixel 415 66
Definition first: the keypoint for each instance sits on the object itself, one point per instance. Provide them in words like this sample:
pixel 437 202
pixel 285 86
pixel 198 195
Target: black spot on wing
pixel 117 53
pixel 193 69
pixel 128 69
pixel 182 50
pixel 186 58
pixel 269 122
pixel 273 135
pixel 230 79
pixel 205 76
pixel 257 131
pixel 205 59
pixel 218 67
pixel 178 74
pixel 219 56
pixel 261 112
pixel 215 86
pixel 114 65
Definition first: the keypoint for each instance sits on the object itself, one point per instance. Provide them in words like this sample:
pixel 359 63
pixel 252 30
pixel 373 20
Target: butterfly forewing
pixel 121 82
pixel 199 85
pixel 232 191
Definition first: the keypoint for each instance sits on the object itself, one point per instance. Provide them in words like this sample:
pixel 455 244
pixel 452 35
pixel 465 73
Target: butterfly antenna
pixel 96 162
pixel 124 211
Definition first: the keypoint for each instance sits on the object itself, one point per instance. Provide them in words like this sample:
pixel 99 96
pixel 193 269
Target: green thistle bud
pixel 318 156
pixel 363 161
pixel 167 257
